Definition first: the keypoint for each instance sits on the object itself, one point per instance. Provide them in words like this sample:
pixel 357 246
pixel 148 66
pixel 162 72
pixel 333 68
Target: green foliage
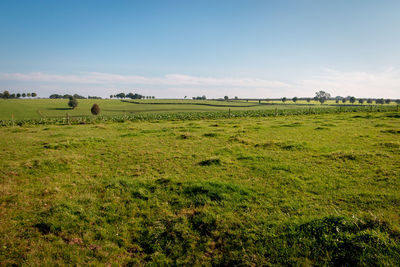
pixel 95 110
pixel 322 96
pixel 73 102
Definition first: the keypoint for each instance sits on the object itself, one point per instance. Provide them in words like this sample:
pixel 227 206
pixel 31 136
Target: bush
pixel 95 109
pixel 73 103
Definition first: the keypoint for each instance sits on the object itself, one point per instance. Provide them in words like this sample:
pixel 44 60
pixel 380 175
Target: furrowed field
pixel 317 189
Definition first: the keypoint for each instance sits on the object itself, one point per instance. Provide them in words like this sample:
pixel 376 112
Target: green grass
pixel 53 108
pixel 288 190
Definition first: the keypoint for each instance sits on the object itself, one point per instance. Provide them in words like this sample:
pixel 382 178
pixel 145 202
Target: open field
pixel 286 190
pixel 50 108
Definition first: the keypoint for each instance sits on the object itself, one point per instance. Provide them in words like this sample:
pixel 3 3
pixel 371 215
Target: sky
pixel 173 49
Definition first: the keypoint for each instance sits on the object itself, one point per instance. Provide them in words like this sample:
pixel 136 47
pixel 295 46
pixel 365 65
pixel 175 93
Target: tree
pixel 121 95
pixel 387 101
pixel 398 101
pixel 28 94
pixel 369 101
pixel 34 94
pixel 23 95
pixel 236 97
pixel 6 94
pixel 73 103
pixel 294 99
pixel 284 99
pixel 95 109
pixel 153 97
pixel 322 96
pixel 380 101
pixel 111 96
pixel 308 100
pixel 337 101
pixel 352 99
pixel 18 95
pixel 203 97
pixel 361 101
pixel 226 97
pixel 344 100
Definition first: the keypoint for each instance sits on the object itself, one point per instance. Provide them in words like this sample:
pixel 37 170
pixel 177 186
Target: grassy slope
pixel 37 108
pixel 284 190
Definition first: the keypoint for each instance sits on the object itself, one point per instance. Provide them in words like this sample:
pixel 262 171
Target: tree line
pixel 76 96
pixel 7 94
pixel 131 96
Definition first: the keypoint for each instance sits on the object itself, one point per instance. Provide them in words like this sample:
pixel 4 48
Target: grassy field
pixel 285 190
pixel 50 108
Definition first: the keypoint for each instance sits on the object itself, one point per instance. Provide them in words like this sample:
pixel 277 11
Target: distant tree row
pixel 131 96
pixel 6 94
pixel 67 96
pixel 322 97
pixel 199 97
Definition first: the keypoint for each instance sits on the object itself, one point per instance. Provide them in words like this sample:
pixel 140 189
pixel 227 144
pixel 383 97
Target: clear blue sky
pixel 177 48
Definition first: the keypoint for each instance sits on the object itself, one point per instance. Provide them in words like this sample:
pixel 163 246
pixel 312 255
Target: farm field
pixel 286 190
pixel 51 108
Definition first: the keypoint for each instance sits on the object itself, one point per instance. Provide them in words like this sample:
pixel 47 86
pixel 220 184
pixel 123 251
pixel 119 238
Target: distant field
pixel 48 108
pixel 288 190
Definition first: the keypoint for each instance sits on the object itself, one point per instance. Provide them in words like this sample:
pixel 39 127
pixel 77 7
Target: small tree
pixel 322 96
pixel 308 100
pixel 6 94
pixel 236 97
pixel 337 101
pixel 18 95
pixel 352 99
pixel 73 103
pixel 387 101
pixel 34 94
pixel 284 99
pixel 361 101
pixel 23 95
pixel 369 101
pixel 95 109
pixel 344 100
pixel 294 99
pixel 226 98
pixel 28 94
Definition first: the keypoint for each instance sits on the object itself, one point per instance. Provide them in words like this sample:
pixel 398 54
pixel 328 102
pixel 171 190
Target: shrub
pixel 73 103
pixel 95 109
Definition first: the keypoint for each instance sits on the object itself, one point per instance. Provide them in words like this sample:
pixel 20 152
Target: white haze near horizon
pixel 383 84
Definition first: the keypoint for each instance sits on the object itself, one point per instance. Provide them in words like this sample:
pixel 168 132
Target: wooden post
pixel 67 118
pixel 12 119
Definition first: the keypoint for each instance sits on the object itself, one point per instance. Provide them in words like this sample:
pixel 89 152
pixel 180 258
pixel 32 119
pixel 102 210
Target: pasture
pixel 317 189
pixel 53 108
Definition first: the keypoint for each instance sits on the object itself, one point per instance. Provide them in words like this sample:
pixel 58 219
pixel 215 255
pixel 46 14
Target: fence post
pixel 12 119
pixel 67 118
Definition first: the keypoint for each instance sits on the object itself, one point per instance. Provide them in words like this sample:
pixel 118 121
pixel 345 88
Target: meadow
pixel 53 108
pixel 306 189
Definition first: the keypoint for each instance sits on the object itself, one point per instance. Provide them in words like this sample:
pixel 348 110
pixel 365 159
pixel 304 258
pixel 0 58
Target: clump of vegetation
pixel 73 102
pixel 209 162
pixel 210 134
pixel 95 109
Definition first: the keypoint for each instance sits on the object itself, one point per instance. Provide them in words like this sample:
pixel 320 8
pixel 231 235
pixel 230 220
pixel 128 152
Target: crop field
pixel 315 189
pixel 52 108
